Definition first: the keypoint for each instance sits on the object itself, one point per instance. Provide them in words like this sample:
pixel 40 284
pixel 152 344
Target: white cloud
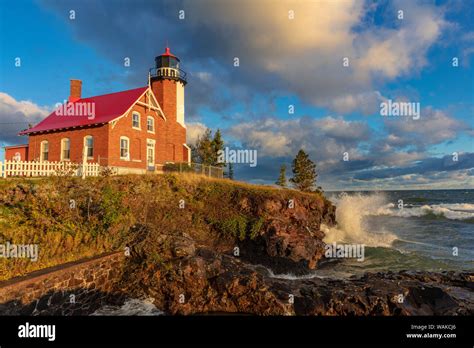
pixel 301 56
pixel 326 139
pixel 307 53
pixel 367 103
pixel 433 127
pixel 339 128
pixel 16 115
pixel 193 131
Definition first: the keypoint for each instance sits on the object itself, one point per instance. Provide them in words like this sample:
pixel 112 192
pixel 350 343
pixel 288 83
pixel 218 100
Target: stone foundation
pixel 77 288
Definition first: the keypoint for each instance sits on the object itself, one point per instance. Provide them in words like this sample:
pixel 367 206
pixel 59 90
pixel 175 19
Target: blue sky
pixel 283 62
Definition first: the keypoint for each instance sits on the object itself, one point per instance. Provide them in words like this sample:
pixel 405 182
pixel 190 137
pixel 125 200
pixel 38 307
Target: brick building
pixel 133 131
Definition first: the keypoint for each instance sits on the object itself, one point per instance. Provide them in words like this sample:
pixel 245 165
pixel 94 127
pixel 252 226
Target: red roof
pixel 107 108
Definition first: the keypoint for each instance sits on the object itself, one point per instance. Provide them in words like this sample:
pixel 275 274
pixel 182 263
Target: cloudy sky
pixel 311 75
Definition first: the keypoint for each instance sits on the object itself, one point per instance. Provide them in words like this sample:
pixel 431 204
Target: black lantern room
pixel 167 67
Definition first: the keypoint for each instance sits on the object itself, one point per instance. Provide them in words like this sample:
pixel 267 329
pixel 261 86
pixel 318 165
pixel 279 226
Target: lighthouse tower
pixel 167 83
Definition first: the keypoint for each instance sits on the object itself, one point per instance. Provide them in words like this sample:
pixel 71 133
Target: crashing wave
pixel 351 214
pixel 455 211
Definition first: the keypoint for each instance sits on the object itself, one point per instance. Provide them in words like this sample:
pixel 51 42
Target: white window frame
pixel 151 142
pixel 63 141
pixel 87 147
pixel 152 124
pixel 139 120
pixel 44 142
pixel 127 158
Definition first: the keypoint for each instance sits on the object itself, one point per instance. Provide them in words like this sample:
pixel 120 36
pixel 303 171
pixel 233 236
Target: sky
pixel 311 75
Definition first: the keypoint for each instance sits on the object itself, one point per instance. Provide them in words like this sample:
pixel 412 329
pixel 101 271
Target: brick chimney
pixel 76 90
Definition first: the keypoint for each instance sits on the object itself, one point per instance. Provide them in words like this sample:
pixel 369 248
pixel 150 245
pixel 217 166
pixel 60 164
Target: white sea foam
pixel 130 307
pixel 351 214
pixel 290 276
pixel 456 211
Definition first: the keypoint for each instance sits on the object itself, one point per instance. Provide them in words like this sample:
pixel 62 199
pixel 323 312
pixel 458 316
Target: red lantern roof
pixel 168 53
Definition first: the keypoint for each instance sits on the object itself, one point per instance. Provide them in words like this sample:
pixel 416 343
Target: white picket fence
pixel 34 169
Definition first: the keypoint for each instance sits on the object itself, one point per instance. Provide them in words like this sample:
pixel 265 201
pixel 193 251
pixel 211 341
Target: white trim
pixel 150 94
pixel 180 109
pixel 87 148
pixel 148 106
pixel 153 143
pixel 139 120
pixel 189 152
pixel 153 119
pixel 148 90
pixel 130 108
pixel 61 156
pixel 127 158
pixel 41 150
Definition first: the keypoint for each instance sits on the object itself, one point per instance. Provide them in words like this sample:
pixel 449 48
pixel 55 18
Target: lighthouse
pixel 167 82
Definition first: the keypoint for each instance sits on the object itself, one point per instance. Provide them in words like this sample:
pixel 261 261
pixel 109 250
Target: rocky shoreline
pixel 217 252
pixel 207 276
pixel 196 279
pixel 207 282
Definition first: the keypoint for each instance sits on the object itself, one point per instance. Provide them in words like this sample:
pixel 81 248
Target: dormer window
pixel 136 120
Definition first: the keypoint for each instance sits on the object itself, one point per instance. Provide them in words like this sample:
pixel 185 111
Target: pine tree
pixel 203 150
pixel 282 178
pixel 217 145
pixel 304 172
pixel 194 153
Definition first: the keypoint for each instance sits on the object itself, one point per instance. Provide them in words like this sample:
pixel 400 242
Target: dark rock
pixel 43 303
pixel 214 282
pixel 28 309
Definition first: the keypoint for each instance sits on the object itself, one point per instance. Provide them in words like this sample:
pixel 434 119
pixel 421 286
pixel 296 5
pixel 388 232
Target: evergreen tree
pixel 194 154
pixel 304 172
pixel 217 145
pixel 282 178
pixel 202 152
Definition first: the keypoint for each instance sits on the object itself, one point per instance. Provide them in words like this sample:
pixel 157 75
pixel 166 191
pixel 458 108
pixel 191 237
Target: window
pixel 150 124
pixel 150 152
pixel 44 151
pixel 124 148
pixel 65 149
pixel 89 143
pixel 136 120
